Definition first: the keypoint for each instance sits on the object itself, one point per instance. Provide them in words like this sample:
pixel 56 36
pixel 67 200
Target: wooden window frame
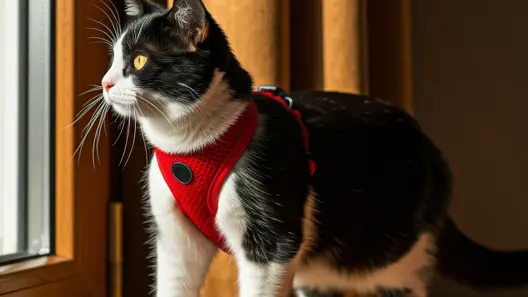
pixel 78 266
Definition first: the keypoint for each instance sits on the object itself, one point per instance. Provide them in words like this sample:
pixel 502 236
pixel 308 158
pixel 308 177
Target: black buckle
pixel 277 91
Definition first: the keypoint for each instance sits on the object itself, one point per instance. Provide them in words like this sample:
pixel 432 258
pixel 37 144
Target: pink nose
pixel 107 85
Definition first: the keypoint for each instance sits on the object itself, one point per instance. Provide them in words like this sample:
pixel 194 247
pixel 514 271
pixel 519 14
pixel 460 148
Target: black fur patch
pixel 317 293
pixel 374 171
pixel 392 292
pixel 375 168
pixel 273 185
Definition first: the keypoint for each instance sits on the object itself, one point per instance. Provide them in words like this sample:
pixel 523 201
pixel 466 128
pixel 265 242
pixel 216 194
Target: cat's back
pixel 331 110
pixel 373 165
pixel 365 145
pixel 357 128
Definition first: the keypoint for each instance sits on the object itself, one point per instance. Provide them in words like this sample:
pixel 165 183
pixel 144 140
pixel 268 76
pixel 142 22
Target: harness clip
pixel 277 91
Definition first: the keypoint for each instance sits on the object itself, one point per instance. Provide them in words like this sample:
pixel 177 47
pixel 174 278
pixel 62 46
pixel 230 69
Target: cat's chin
pixel 124 110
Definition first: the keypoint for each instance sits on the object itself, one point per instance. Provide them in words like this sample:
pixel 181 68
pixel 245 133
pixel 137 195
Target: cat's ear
pixel 191 19
pixel 139 8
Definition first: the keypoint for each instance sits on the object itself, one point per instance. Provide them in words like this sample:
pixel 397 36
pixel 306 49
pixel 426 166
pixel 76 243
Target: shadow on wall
pixel 470 73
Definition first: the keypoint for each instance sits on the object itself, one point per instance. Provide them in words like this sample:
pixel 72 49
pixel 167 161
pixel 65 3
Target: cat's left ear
pixel 190 17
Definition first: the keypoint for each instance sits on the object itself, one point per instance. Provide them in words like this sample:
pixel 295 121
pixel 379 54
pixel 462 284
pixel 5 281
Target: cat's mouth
pixel 132 104
pixel 123 105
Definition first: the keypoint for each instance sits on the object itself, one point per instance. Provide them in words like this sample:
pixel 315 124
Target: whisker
pixel 104 122
pixel 106 27
pixel 101 40
pixel 97 136
pixel 145 147
pixel 150 108
pixel 101 31
pixel 126 142
pixel 112 20
pixel 140 29
pixel 143 138
pixel 161 112
pixel 93 89
pixel 87 106
pixel 116 11
pixel 86 131
pixel 115 117
pixel 94 142
pixel 133 140
pixel 97 119
pixel 191 90
pixel 95 86
pixel 90 101
pixel 95 114
pixel 109 50
pixel 121 128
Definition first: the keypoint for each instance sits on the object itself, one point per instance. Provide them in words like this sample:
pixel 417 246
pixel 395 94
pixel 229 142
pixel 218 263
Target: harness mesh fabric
pixel 210 167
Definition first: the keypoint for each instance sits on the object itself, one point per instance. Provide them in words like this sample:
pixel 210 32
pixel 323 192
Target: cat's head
pixel 165 60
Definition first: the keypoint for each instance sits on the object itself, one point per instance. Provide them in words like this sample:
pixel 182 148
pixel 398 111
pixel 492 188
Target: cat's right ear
pixel 138 8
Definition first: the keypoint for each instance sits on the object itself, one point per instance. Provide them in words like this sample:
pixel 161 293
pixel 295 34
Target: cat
pixel 372 218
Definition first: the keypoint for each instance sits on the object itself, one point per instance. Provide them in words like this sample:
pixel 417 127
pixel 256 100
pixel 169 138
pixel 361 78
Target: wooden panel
pixel 36 272
pixel 258 31
pixel 92 185
pixel 344 53
pixel 222 277
pixel 389 43
pixel 70 287
pixel 306 44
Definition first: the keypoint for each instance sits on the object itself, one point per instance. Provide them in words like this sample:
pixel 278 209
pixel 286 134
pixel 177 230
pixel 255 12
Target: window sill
pixel 34 272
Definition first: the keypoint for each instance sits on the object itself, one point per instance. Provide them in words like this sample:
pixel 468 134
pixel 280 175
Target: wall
pixel 470 86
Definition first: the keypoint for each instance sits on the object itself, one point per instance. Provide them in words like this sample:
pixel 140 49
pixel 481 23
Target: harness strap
pixel 279 95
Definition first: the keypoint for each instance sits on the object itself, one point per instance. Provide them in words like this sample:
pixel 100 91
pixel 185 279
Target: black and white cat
pixel 372 219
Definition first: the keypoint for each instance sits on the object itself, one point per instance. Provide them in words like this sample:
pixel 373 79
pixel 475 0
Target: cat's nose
pixel 107 85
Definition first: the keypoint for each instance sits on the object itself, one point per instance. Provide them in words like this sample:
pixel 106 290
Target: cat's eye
pixel 139 62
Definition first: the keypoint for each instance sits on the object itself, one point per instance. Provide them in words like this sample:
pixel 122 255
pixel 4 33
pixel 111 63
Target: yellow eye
pixel 140 61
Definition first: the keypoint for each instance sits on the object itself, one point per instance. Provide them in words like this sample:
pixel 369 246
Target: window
pixel 53 205
pixel 25 130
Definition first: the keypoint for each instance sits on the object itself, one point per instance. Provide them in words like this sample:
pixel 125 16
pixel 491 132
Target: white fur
pixel 182 15
pixel 403 273
pixel 193 127
pixel 122 96
pixel 183 253
pixel 133 8
pixel 255 280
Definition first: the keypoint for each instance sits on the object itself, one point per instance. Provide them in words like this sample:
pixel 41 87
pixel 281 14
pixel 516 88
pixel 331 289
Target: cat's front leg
pixel 265 256
pixel 264 279
pixel 183 254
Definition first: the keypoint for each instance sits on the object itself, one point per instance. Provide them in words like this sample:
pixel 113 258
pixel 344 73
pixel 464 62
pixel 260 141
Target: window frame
pixel 81 192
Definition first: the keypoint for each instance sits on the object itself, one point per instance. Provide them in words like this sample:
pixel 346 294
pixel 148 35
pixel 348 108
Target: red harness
pixel 196 179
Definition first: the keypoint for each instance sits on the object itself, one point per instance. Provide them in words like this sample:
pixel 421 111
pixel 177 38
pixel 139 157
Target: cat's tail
pixel 470 263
